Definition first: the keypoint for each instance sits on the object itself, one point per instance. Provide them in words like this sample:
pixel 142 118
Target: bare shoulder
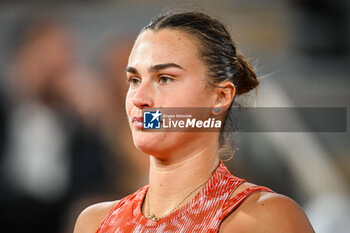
pixel 266 212
pixel 91 217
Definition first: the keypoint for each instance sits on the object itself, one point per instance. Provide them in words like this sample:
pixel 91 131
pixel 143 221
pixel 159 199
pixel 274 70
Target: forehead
pixel 164 46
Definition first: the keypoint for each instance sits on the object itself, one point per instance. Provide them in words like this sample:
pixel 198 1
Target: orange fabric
pixel 204 213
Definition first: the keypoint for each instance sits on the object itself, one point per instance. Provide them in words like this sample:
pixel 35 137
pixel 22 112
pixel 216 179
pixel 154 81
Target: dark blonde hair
pixel 217 50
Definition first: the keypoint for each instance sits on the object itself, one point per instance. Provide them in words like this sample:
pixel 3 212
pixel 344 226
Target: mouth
pixel 137 122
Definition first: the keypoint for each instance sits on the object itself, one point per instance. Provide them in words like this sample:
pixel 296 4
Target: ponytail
pixel 245 76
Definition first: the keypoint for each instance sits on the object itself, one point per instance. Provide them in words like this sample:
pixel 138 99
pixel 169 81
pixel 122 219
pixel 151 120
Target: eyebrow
pixel 155 68
pixel 159 67
pixel 132 70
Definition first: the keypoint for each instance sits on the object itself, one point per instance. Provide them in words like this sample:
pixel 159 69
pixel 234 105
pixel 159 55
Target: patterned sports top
pixel 203 213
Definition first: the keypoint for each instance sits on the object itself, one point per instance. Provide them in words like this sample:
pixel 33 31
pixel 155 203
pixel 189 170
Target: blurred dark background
pixel 64 139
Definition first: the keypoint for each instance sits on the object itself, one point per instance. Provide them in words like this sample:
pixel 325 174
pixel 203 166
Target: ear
pixel 224 95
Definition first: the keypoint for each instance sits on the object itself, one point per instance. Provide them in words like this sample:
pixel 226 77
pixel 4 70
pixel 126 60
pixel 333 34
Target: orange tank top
pixel 203 213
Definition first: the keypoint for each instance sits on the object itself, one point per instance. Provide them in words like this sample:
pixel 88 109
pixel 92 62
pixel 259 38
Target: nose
pixel 143 97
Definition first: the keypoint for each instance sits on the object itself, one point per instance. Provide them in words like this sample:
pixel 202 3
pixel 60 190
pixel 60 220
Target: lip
pixel 138 122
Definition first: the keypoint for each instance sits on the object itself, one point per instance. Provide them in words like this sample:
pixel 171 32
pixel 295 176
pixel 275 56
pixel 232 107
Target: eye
pixel 133 81
pixel 165 80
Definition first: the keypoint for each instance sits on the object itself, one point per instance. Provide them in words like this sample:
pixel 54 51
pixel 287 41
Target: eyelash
pixel 131 79
pixel 168 78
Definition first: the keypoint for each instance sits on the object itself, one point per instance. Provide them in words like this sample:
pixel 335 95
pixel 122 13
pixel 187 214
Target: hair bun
pixel 246 76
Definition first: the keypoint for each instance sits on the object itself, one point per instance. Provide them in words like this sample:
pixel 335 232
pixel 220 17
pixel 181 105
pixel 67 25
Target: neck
pixel 170 182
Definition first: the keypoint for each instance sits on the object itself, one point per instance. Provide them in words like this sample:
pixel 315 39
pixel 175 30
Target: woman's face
pixel 165 70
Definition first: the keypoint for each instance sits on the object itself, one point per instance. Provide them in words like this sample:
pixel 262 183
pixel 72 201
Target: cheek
pixel 192 94
pixel 128 103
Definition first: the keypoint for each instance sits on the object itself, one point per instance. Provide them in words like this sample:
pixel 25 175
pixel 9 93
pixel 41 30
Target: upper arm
pixel 91 217
pixel 278 213
pixel 269 212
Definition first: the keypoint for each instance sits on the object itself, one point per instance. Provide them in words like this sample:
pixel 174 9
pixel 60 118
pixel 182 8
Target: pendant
pixel 153 217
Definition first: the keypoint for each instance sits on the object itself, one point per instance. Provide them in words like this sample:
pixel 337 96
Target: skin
pixel 179 162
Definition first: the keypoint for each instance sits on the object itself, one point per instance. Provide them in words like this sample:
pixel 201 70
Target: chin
pixel 148 143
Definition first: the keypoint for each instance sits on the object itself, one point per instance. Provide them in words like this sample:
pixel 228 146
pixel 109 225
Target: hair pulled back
pixel 217 50
pixel 216 47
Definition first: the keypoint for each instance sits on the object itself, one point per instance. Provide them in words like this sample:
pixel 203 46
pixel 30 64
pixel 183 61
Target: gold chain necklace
pixel 154 218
